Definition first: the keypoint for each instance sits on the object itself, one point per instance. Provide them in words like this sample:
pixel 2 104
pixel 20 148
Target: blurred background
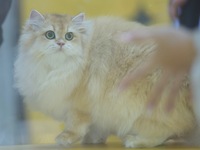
pixel 18 123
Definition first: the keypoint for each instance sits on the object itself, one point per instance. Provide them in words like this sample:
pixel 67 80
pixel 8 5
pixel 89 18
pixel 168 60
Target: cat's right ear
pixel 35 19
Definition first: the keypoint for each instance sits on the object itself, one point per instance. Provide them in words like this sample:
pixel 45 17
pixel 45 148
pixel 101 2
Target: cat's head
pixel 55 38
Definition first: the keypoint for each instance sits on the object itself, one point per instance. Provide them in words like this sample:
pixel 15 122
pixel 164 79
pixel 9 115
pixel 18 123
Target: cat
pixel 70 68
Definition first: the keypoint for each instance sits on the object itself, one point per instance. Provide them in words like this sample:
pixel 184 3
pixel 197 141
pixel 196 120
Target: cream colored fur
pixel 78 83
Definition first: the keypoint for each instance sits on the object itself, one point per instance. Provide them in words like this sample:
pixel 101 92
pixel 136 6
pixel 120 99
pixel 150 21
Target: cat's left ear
pixel 78 19
pixel 79 22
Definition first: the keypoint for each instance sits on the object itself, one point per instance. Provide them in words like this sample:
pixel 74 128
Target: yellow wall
pixel 42 128
pixel 123 8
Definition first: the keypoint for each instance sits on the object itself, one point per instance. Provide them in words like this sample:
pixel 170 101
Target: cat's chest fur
pixel 47 89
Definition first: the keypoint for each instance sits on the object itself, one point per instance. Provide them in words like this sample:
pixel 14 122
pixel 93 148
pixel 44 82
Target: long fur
pixel 78 85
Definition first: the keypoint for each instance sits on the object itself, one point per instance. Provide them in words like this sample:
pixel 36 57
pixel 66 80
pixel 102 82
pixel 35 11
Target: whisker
pixel 49 50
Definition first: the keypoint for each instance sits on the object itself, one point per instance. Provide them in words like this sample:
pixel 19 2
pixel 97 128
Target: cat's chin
pixel 60 49
pixel 55 60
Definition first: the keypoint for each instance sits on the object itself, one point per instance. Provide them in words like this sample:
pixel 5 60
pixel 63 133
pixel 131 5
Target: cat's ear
pixel 35 15
pixel 78 19
pixel 79 22
pixel 83 26
pixel 35 19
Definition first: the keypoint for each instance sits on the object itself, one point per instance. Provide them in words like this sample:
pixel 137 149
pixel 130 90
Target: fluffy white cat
pixel 70 69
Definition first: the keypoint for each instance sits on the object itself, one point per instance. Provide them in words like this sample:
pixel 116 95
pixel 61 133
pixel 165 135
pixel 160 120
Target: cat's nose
pixel 61 43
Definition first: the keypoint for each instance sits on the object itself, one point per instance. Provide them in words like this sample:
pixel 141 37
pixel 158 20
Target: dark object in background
pixel 190 14
pixel 142 16
pixel 4 8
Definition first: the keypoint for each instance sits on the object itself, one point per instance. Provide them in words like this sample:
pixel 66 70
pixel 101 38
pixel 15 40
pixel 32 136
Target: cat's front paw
pixel 66 139
pixel 129 142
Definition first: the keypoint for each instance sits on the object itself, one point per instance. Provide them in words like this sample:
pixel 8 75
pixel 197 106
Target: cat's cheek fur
pixel 73 50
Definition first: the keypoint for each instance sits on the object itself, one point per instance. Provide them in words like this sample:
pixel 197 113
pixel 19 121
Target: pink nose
pixel 61 43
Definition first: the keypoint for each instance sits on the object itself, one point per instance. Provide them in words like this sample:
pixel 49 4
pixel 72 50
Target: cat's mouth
pixel 61 48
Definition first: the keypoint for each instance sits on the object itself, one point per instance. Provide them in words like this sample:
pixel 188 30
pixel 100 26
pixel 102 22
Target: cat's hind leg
pixel 147 133
pixel 134 141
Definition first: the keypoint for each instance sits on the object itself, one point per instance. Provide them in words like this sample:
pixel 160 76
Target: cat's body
pixel 77 83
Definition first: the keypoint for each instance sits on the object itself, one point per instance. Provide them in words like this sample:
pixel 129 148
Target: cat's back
pixel 106 43
pixel 111 24
pixel 108 53
pixel 109 58
pixel 106 28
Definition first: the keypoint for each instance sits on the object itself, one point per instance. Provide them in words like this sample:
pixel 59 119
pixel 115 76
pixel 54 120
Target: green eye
pixel 69 36
pixel 50 35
